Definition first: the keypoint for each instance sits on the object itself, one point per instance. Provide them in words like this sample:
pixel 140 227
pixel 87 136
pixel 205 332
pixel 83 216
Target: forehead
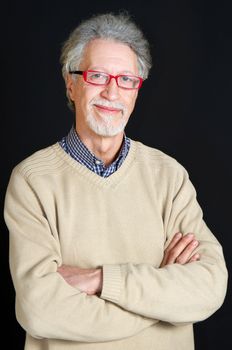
pixel 109 55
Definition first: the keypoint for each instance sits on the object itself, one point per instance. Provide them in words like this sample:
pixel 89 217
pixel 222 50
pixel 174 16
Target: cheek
pixel 130 102
pixel 83 97
pixel 87 94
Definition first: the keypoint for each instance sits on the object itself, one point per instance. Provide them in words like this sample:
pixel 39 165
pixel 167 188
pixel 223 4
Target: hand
pixel 180 250
pixel 86 280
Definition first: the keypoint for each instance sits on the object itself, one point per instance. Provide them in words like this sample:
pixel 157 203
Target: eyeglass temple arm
pixel 75 72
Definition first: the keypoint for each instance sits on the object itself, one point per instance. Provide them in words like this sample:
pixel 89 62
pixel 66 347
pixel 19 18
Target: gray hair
pixel 105 26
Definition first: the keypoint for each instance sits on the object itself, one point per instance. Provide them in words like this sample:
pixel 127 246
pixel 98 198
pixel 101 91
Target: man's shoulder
pixel 45 160
pixel 155 157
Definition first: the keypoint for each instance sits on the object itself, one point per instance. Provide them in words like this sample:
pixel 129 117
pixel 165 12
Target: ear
pixel 70 86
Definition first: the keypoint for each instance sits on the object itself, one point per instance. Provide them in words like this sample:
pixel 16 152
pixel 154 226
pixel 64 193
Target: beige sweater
pixel 59 212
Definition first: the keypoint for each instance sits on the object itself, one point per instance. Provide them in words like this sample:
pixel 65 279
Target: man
pixel 108 248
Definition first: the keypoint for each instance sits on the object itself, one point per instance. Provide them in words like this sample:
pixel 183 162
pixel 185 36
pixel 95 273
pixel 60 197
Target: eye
pixel 126 78
pixel 97 77
pixel 128 81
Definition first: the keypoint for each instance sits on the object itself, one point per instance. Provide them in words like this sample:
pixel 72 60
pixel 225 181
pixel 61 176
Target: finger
pixel 195 257
pixel 185 256
pixel 179 248
pixel 176 238
pixel 174 241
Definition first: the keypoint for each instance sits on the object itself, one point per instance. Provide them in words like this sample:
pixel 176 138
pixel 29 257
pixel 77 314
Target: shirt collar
pixel 77 149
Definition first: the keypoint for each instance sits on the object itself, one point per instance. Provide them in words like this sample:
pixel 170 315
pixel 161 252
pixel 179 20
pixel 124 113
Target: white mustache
pixel 108 104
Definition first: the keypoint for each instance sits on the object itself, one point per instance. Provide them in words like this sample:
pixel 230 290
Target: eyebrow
pixel 101 69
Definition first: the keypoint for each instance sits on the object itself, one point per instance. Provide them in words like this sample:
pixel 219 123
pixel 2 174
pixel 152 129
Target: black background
pixel 184 108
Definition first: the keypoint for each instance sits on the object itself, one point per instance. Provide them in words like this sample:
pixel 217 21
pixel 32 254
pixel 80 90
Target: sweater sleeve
pixel 46 306
pixel 175 293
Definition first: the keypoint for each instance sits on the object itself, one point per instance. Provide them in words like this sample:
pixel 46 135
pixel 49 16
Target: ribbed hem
pixel 111 283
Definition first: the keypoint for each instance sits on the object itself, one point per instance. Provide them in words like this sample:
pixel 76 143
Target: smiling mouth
pixel 108 109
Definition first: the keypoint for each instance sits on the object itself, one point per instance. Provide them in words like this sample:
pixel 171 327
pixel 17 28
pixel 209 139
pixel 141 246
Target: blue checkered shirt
pixel 72 145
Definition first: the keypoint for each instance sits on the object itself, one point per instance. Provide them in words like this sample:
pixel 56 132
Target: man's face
pixel 104 110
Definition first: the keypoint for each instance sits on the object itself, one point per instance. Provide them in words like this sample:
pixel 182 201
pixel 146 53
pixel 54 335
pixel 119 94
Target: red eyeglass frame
pixel 84 73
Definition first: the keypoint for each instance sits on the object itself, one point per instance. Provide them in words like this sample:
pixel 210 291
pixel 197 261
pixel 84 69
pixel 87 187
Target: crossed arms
pixel 90 281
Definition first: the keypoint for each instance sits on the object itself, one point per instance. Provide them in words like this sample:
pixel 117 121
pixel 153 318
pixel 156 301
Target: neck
pixel 105 148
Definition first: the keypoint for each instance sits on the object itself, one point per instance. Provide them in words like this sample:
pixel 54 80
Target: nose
pixel 111 91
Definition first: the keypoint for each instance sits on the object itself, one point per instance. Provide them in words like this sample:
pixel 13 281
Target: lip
pixel 108 109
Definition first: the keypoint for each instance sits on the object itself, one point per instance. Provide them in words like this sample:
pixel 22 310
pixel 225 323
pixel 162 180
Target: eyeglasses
pixel 124 81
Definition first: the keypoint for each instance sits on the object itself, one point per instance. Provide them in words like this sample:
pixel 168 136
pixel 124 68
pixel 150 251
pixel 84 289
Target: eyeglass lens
pixel 125 81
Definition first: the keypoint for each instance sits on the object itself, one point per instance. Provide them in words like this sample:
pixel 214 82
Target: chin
pixel 106 129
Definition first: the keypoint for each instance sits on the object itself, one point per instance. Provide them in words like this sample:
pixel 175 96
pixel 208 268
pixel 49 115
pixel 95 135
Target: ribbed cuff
pixel 111 283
